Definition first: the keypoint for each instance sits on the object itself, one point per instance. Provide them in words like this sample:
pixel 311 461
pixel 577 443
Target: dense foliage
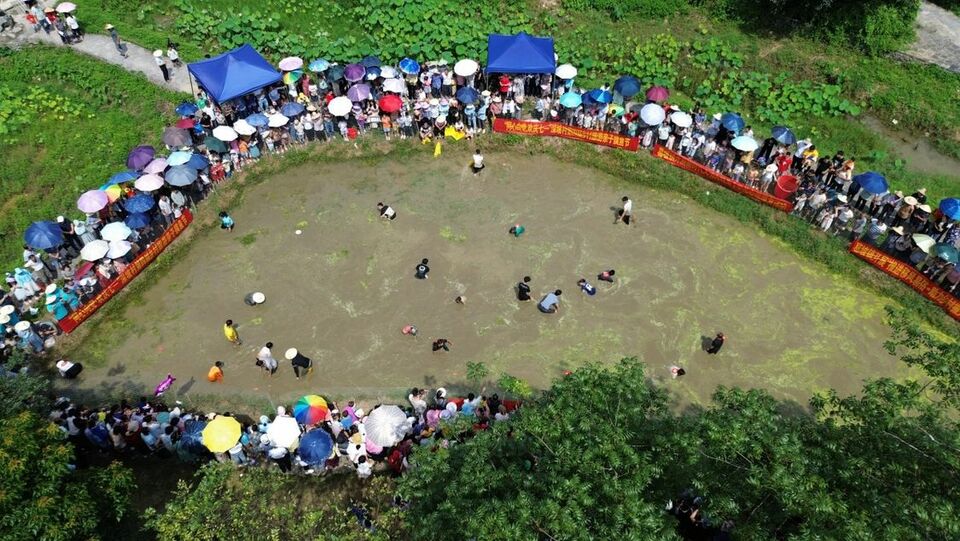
pixel 41 497
pixel 599 455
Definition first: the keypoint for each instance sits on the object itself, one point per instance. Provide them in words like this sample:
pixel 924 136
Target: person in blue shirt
pixel 226 222
pixel 586 287
pixel 550 304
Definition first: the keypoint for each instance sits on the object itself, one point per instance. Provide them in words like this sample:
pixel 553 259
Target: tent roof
pixel 521 53
pixel 234 73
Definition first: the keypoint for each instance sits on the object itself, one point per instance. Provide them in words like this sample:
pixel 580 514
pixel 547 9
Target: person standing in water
pixel 523 290
pixel 716 344
pixel 477 162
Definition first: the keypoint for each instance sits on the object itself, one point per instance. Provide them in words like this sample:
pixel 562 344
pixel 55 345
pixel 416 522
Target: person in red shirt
pixel 783 163
pixel 504 85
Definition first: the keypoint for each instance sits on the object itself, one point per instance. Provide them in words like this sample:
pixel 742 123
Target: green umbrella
pixel 214 144
pixel 947 253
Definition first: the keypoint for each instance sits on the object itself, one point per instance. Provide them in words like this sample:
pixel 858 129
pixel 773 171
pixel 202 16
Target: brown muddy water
pixel 342 290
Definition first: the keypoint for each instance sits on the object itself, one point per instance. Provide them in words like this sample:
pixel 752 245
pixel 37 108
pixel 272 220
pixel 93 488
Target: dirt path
pixel 938 38
pixel 101 46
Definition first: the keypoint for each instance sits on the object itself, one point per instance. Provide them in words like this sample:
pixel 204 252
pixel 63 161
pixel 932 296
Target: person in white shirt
pixel 416 400
pixel 364 468
pixel 386 211
pixel 67 369
pixel 477 162
pixel 265 359
pixel 625 213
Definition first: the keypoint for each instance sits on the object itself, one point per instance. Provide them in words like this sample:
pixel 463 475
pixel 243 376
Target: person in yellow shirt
pixel 215 375
pixel 230 332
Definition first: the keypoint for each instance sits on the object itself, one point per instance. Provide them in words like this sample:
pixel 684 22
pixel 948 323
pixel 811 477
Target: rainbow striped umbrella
pixel 311 409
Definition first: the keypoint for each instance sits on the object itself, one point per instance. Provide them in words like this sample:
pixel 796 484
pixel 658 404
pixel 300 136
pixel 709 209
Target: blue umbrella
pixel 373 73
pixel 732 122
pixel 192 437
pixel 784 135
pixel 318 65
pixel 409 66
pixel 628 86
pixel 198 162
pixel 947 252
pixel 950 207
pixel 139 203
pixel 468 95
pixel 571 100
pixel 180 175
pixel 315 446
pixel 370 62
pixel 43 235
pixel 600 96
pixel 872 182
pixel 257 120
pixel 122 176
pixel 187 109
pixel 335 73
pixel 291 109
pixel 137 220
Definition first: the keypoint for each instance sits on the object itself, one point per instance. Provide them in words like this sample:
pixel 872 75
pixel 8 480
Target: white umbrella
pixel 284 431
pixel 66 7
pixel 652 114
pixel 242 127
pixel 340 106
pixel 565 71
pixel 225 133
pixel 276 120
pixel 118 248
pixel 94 250
pixel 115 231
pixel 385 425
pixel 148 183
pixel 924 242
pixel 681 119
pixel 745 143
pixel 466 67
pixel 388 72
pixel 394 85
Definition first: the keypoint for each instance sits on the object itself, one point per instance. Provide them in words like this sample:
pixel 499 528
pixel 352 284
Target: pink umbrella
pixel 291 63
pixel 148 183
pixel 157 165
pixel 657 93
pixel 92 201
pixel 433 417
pixel 373 448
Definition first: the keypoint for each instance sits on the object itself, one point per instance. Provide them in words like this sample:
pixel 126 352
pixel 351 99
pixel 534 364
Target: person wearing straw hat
pixel 162 64
pixel 121 47
pixel 28 337
pixel 300 362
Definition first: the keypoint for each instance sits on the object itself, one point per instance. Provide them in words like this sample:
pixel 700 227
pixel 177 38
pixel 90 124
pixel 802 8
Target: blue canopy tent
pixel 234 73
pixel 521 53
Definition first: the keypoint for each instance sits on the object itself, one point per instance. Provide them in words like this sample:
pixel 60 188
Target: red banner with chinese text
pixel 143 259
pixel 909 275
pixel 558 129
pixel 705 172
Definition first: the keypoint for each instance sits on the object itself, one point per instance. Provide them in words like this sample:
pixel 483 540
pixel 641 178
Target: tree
pixel 41 496
pixel 600 453
pixel 20 391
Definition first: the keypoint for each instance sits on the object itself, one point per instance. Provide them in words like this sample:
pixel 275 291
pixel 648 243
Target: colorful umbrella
pixel 466 67
pixel 139 203
pixel 290 63
pixel 284 431
pixel 112 190
pixel 745 143
pixel 359 92
pixel 784 135
pixel 94 250
pixel 732 122
pixel 615 109
pixel 43 235
pixel 176 137
pixel 198 162
pixel 92 201
pixel 318 65
pixel 180 175
pixel 276 120
pixel 681 119
pixel 468 95
pixel 118 249
pixel 156 165
pixel 652 114
pixel 292 109
pixel 565 71
pixel 244 128
pixel 571 100
pixel 354 72
pixel 628 86
pixel 384 425
pixel 224 133
pixel 950 207
pixel 390 103
pixel 187 109
pixel 947 252
pixel 394 85
pixel 148 183
pixel 340 106
pixel 213 144
pixel 600 95
pixel 291 77
pixel 311 409
pixel 657 93
pixel 409 66
pixel 115 231
pixel 924 242
pixel 122 176
pixel 257 120
pixel 221 434
pixel 186 123
pixel 179 157
pixel 370 62
pixel 872 182
pixel 315 447
pixel 137 220
pixel 140 157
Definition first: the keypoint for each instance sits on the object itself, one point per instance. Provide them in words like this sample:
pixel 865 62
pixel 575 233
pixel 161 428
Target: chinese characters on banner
pixel 703 171
pixel 557 129
pixel 143 259
pixel 909 275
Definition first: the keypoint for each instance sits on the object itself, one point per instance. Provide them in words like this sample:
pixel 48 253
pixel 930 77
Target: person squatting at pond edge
pixel 226 222
pixel 386 211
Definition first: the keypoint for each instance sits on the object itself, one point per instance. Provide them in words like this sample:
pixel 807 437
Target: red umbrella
pixel 185 123
pixel 390 103
pixel 83 270
pixel 657 93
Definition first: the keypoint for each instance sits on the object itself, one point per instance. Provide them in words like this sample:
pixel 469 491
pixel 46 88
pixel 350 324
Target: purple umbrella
pixel 359 92
pixel 92 201
pixel 354 72
pixel 140 157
